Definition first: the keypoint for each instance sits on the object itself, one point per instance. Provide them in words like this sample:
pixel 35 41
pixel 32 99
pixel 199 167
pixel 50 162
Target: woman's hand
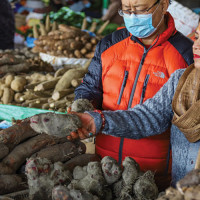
pixel 88 127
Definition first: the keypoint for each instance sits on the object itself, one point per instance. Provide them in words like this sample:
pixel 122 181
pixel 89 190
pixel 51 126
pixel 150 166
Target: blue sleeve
pixel 144 120
pixel 91 88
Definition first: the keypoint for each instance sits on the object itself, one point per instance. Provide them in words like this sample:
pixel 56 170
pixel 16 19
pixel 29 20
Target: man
pixel 130 66
pixel 7 26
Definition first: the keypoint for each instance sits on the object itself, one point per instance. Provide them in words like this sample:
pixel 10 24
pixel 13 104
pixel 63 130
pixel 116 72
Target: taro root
pixel 94 181
pixel 145 187
pixel 58 125
pixel 117 187
pixel 62 193
pixel 192 193
pixel 171 194
pixel 111 169
pixel 42 176
pixel 81 105
pixel 80 172
pixel 191 179
pixel 123 189
pixel 131 170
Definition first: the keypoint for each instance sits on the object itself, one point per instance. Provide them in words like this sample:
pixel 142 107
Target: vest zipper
pixel 130 102
pixel 122 87
pixel 136 78
pixel 144 88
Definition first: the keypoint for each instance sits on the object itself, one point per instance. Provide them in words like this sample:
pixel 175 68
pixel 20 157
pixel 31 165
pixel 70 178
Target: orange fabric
pixel 161 61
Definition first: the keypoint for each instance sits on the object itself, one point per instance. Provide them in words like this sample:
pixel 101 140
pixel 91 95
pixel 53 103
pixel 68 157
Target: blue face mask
pixel 140 25
pixel 88 5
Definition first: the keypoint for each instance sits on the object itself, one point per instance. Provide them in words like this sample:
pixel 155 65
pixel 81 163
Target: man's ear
pixel 165 5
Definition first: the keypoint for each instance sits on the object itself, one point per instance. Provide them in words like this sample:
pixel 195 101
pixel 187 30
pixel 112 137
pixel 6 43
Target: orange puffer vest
pixel 130 75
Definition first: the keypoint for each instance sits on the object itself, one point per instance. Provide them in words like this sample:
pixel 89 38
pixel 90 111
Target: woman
pixel 177 102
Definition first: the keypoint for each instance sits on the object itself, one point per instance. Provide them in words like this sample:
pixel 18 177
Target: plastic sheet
pixel 8 112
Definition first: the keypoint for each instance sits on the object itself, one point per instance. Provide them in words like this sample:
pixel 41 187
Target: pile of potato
pixel 53 91
pixel 68 42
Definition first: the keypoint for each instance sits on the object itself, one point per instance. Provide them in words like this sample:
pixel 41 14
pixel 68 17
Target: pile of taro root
pixel 68 42
pixel 187 188
pixel 97 180
pixel 45 90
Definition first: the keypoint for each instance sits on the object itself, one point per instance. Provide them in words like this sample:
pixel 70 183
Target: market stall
pixel 53 50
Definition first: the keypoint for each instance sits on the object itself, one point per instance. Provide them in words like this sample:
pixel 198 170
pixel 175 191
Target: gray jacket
pixel 153 117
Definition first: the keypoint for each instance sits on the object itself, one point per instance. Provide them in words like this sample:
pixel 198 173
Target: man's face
pixel 140 7
pixel 196 48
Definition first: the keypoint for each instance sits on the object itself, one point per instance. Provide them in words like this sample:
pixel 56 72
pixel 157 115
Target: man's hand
pixel 88 128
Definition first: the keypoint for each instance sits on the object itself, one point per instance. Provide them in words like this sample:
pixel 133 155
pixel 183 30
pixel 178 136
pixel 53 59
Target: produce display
pixel 78 19
pixel 96 180
pixel 21 60
pixel 22 142
pixel 188 188
pixel 37 160
pixel 68 41
pixel 53 90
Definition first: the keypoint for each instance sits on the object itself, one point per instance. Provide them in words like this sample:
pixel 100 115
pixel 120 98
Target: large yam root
pixel 3 150
pixel 43 176
pixel 61 152
pixel 18 155
pixel 9 183
pixel 55 124
pixel 16 134
pixel 81 160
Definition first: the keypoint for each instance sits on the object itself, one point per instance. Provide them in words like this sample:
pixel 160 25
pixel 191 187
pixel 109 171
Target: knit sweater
pixel 153 117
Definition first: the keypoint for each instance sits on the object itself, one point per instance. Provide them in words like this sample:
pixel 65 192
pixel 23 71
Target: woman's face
pixel 196 48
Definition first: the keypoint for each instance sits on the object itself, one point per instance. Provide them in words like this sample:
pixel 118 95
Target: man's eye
pixel 127 12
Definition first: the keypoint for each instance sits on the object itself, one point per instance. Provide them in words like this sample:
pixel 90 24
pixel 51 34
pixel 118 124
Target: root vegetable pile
pixel 20 142
pixel 188 188
pixel 68 42
pixel 49 91
pixel 96 180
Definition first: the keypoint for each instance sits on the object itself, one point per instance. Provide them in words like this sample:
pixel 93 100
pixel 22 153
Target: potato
pixel 9 78
pixel 18 84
